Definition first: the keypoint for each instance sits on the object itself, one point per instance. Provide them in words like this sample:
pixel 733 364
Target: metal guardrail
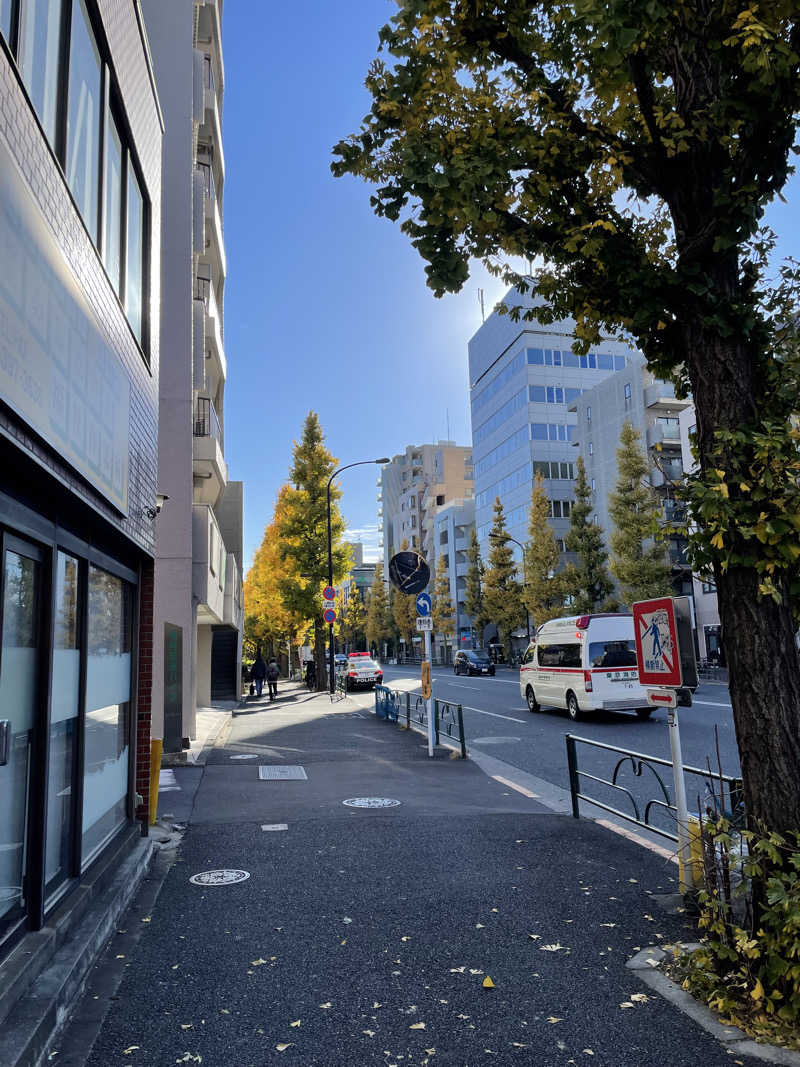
pixel 393 705
pixel 726 791
pixel 448 718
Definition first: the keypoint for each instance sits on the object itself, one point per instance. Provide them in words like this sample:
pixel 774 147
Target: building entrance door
pixel 20 652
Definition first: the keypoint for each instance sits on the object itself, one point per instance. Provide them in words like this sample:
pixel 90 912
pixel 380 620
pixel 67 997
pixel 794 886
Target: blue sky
pixel 326 305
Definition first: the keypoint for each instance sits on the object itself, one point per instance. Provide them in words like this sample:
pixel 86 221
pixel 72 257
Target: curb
pixel 645 964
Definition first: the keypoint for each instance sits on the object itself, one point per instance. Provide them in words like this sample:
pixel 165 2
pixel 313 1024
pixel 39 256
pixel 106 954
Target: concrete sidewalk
pixel 364 935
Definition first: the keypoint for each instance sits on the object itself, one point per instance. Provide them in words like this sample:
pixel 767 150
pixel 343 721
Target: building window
pixel 83 118
pixel 443 538
pixel 588 412
pixel 593 485
pixel 413 502
pixel 134 262
pixel 440 499
pixel 5 19
pixel 709 587
pixel 628 396
pixel 591 448
pixel 39 55
pixel 112 206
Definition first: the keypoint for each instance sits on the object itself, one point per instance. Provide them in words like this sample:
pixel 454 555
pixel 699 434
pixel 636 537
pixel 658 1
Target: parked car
pixel 584 663
pixel 340 662
pixel 362 670
pixel 473 661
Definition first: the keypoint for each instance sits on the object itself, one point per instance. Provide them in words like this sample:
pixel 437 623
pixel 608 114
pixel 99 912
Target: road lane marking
pixel 494 714
pixel 710 704
pixel 513 785
pixel 461 685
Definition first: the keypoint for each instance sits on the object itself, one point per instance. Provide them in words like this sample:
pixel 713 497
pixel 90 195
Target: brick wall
pixel 145 688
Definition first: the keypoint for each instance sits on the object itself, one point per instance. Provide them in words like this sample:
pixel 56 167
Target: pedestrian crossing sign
pixel 657 649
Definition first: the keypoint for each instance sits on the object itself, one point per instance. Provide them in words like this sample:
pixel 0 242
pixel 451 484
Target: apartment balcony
pixel 666 474
pixel 232 608
pixel 214 244
pixel 210 130
pixel 660 396
pixel 209 35
pixel 209 565
pixel 214 347
pixel 208 461
pixel 665 436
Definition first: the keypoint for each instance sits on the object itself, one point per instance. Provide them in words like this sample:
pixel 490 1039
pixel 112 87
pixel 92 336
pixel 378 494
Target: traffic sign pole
pixel 431 730
pixel 684 854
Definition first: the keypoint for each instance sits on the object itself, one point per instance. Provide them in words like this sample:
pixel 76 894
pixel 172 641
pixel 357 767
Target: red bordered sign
pixel 657 651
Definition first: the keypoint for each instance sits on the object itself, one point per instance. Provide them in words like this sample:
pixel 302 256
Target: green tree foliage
pixel 638 555
pixel 444 616
pixel 543 592
pixel 404 611
pixel 632 149
pixel 354 621
pixel 377 626
pixel 502 601
pixel 391 620
pixel 473 593
pixel 587 582
pixel 303 538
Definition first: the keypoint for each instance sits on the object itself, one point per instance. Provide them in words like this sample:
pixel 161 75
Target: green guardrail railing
pixel 395 705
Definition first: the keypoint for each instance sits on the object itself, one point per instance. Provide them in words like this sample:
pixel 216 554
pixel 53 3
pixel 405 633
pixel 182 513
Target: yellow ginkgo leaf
pixel 284 1045
pixel 295 1023
pixel 488 983
pixel 554 1019
pixel 417 1026
pixel 757 992
pixel 131 1048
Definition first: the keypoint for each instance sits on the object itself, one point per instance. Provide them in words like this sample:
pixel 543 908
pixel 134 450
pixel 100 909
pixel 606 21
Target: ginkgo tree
pixel 631 149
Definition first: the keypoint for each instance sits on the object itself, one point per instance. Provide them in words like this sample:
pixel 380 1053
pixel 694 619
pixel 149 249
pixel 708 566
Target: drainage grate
pixel 277 773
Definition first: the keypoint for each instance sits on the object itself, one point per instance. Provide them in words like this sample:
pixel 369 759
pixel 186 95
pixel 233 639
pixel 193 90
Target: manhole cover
pixel 219 877
pixel 250 755
pixel 276 773
pixel 371 802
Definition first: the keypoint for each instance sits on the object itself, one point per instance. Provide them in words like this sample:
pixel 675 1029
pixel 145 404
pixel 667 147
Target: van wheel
pixel 644 713
pixel 533 704
pixel 573 710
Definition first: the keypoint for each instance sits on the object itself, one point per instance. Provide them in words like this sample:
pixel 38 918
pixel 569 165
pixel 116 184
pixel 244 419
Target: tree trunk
pixel 757 632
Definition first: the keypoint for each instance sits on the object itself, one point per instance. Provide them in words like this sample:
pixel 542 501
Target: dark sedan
pixel 473 661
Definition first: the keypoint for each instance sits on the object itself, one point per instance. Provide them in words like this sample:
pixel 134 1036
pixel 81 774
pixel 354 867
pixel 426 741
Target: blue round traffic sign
pixel 423 605
pixel 329 615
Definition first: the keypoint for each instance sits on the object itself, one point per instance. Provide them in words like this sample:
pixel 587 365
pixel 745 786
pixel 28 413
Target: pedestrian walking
pixel 259 672
pixel 273 674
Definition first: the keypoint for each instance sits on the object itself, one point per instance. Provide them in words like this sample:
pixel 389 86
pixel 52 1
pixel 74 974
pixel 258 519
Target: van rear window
pixel 612 653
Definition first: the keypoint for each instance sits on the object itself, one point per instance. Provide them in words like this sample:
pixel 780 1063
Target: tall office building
pixel 80 237
pixel 523 380
pixel 198 605
pixel 404 506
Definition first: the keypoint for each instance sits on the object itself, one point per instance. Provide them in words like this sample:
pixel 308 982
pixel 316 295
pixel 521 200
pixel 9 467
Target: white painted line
pixel 494 714
pixel 711 704
pixel 461 685
pixel 275 826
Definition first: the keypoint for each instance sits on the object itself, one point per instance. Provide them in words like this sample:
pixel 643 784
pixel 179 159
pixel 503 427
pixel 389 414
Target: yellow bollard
pixel 156 748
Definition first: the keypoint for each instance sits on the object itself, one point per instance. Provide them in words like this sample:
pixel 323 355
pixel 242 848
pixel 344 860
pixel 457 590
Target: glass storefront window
pixel 63 722
pixel 19 661
pixel 112 223
pixel 135 259
pixel 39 53
pixel 108 694
pixel 83 118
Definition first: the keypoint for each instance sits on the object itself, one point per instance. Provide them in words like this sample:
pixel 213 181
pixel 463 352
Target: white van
pixel 584 663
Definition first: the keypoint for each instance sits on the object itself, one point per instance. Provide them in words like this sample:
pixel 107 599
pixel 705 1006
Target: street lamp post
pixel 506 537
pixel 361 463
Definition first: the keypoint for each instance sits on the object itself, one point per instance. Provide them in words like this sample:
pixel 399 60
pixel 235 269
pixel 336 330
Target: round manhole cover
pixel 371 802
pixel 219 877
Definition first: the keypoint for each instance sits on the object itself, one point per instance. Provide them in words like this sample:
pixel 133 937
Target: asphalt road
pixel 497 722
